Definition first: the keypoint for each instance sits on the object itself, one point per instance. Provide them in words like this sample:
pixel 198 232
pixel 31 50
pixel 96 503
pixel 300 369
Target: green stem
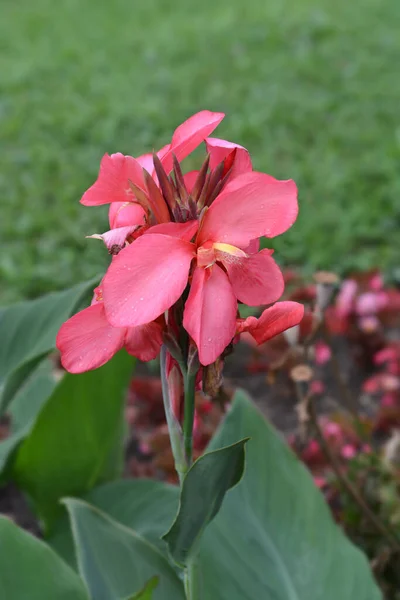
pixel 189 407
pixel 192 582
pixel 174 428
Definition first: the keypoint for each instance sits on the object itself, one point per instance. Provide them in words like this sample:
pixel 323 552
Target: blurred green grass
pixel 311 88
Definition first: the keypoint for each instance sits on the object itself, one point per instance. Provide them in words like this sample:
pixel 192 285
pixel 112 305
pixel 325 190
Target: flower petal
pixel 146 161
pixel 112 184
pixel 144 341
pixel 145 279
pixel 184 231
pixel 251 206
pixel 115 238
pixel 210 313
pixel 191 134
pixel 87 340
pixel 257 279
pixel 190 179
pixel 122 214
pixel 219 150
pixel 273 320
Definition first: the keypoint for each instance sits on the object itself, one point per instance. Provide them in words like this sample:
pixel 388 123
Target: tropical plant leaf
pixel 115 560
pixel 30 569
pixel 28 331
pixel 203 491
pixel 30 398
pixel 274 537
pixel 68 449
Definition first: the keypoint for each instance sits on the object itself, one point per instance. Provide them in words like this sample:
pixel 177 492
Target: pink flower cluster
pixel 183 244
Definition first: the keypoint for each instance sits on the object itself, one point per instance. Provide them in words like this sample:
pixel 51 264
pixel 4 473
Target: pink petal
pixel 112 184
pixel 257 279
pixel 146 161
pixel 219 150
pixel 210 313
pixel 273 321
pixel 253 205
pixel 190 180
pixel 254 247
pixel 145 279
pixel 122 214
pixel 115 238
pixel 87 340
pixel 191 134
pixel 184 231
pixel 144 341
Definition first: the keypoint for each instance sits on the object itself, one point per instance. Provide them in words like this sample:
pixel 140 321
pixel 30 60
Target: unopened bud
pixel 212 378
pixel 193 363
pixel 172 345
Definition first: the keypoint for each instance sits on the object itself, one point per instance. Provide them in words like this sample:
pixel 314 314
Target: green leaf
pixel 29 400
pixel 68 450
pixel 115 560
pixel 203 491
pixel 274 537
pixel 30 569
pixel 138 501
pixel 147 592
pixel 28 331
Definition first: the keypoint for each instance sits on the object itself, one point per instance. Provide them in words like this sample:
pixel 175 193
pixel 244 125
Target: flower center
pixel 210 252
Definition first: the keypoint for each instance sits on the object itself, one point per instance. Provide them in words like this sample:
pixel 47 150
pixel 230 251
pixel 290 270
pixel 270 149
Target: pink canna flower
pixel 150 275
pixel 87 341
pixel 187 243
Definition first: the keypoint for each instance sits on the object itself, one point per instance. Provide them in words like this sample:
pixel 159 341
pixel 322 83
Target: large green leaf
pixel 149 507
pixel 203 491
pixel 30 398
pixel 274 537
pixel 28 331
pixel 29 569
pixel 69 447
pixel 278 526
pixel 116 561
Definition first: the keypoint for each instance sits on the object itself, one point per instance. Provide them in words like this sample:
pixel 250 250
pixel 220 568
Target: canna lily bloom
pixel 87 341
pixel 217 254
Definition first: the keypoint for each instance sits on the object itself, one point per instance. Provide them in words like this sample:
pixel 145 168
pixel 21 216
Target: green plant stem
pixel 174 428
pixel 192 581
pixel 189 408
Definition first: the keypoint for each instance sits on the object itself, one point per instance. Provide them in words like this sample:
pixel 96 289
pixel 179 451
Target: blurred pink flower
pixel 322 352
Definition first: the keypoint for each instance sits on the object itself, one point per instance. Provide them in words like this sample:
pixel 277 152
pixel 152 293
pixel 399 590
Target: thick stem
pixel 188 421
pixel 192 581
pixel 174 428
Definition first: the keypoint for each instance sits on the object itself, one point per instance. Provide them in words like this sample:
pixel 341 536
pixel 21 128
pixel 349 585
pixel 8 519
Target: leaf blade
pixel 69 444
pixel 114 560
pixel 203 491
pixel 30 569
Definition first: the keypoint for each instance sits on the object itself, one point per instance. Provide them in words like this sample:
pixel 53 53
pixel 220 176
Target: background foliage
pixel 310 87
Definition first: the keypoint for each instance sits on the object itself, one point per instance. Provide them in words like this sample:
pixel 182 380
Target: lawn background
pixel 312 89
